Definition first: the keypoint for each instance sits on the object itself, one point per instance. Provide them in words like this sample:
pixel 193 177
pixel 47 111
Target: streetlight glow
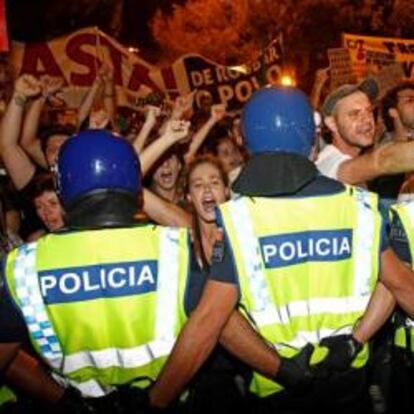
pixel 287 80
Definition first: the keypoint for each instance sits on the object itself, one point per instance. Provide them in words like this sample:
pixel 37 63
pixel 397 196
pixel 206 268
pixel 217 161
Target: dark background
pixel 37 20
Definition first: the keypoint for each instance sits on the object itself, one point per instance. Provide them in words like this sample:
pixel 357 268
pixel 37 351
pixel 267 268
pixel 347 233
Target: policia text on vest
pixel 98 281
pixel 316 246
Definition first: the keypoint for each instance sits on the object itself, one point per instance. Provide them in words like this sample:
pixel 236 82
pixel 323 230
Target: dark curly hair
pixel 52 130
pixel 390 100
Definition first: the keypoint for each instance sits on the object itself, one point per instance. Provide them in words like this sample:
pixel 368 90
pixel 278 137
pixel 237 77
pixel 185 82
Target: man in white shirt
pixel 349 116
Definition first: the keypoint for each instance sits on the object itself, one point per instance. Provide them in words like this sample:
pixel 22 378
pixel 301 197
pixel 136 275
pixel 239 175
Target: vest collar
pixel 274 174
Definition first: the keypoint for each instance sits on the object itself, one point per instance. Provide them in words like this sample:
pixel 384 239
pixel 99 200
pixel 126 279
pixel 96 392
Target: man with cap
pixel 102 301
pixel 300 254
pixel 349 116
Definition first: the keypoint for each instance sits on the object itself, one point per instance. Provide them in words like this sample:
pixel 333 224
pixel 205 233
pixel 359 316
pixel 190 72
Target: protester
pixel 47 205
pixel 349 116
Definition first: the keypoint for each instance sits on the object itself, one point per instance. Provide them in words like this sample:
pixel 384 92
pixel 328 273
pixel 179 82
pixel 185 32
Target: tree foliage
pixel 234 31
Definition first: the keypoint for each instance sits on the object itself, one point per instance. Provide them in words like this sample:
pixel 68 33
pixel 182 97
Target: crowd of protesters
pixel 190 155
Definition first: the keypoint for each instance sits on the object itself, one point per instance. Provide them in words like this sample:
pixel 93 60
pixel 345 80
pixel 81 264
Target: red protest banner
pixel 4 40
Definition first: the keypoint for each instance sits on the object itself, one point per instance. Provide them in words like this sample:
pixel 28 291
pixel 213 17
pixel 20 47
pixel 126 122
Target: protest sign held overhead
pixel 340 67
pixel 78 57
pixel 371 54
pixel 232 86
pixel 4 39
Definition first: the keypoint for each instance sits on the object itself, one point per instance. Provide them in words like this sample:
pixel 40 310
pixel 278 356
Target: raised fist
pixel 28 86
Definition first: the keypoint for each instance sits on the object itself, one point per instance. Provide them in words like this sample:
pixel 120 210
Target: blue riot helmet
pixel 95 162
pixel 278 119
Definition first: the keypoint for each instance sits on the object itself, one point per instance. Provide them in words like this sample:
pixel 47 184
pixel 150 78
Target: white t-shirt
pixel 329 160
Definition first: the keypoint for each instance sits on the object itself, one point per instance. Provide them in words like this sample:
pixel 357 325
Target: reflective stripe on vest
pixel 264 312
pixel 405 212
pixel 32 305
pixel 42 331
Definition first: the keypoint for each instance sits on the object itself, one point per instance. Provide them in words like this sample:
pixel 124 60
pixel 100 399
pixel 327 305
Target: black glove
pixel 72 402
pixel 136 400
pixel 295 373
pixel 342 351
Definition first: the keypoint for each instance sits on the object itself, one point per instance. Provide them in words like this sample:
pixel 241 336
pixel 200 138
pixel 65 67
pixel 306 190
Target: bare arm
pixel 17 162
pixel 29 140
pixel 378 311
pixel 86 105
pixel 195 342
pixel 217 113
pixel 182 106
pixel 109 96
pixel 174 132
pixel 240 339
pixel 164 212
pixel 393 158
pixel 27 374
pixel 321 77
pixel 150 120
pixel 399 279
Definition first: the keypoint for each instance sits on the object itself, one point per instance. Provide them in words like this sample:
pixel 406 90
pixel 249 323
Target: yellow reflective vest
pixel 306 266
pixel 405 212
pixel 7 396
pixel 105 306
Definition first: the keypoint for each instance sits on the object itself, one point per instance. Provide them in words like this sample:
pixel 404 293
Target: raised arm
pixel 150 120
pixel 30 141
pixel 173 133
pixel 17 163
pixel 109 95
pixel 217 113
pixel 321 77
pixel 182 106
pixel 165 213
pixel 86 105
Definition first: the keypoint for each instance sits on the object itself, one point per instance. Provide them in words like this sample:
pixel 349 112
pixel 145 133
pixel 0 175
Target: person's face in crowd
pixel 229 155
pixel 53 145
pixel 405 107
pixel 99 119
pixel 166 175
pixel 236 131
pixel 49 210
pixel 131 135
pixel 206 190
pixel 13 221
pixel 353 120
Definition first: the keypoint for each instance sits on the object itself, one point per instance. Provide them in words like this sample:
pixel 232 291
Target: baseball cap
pixel 369 86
